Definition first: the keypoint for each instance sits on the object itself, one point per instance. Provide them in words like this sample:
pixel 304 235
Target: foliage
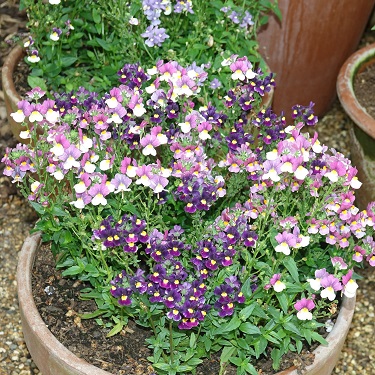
pixel 84 43
pixel 223 231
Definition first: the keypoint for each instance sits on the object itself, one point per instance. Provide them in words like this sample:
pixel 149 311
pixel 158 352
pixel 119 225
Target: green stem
pixel 171 346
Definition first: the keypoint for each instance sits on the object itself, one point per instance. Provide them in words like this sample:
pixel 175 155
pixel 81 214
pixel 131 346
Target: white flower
pixel 350 288
pixel 272 155
pixel 25 134
pixel 112 102
pixel 18 116
pixel 279 286
pixel 283 248
pixel 105 164
pixel 54 2
pixel 52 116
pixel 54 36
pixel 80 187
pixel 139 110
pixel 33 58
pixel 134 21
pixel 300 173
pixel 99 199
pixel 34 186
pixel 79 203
pixel 355 183
pixel 35 116
pixel 329 293
pixel 304 314
pixel 314 284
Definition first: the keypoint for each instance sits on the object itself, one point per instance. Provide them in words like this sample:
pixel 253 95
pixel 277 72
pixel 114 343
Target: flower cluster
pixel 219 221
pixel 73 44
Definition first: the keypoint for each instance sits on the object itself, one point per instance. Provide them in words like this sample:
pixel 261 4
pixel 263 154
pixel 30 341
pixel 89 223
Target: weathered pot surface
pixel 11 96
pixel 52 358
pixel 362 134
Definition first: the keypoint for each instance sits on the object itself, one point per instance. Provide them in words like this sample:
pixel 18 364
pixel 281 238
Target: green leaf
pixel 246 312
pixel 116 329
pixel 292 328
pixel 315 336
pixel 37 82
pixel 73 270
pixel 226 353
pixel 38 208
pixel 251 369
pixel 184 368
pixel 291 266
pixel 96 16
pixel 106 46
pixel 276 356
pixel 233 324
pixel 68 61
pixel 57 211
pixel 249 328
pixel 260 346
pixel 283 300
pixel 192 340
pixel 91 315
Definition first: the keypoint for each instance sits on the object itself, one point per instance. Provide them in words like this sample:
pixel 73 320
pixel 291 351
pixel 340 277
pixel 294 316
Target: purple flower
pixel 154 36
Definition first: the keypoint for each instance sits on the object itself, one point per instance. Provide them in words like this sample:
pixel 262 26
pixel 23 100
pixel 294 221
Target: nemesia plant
pixel 223 231
pixel 85 43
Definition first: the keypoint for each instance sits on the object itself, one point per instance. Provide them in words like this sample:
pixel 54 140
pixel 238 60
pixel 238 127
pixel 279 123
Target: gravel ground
pixel 16 219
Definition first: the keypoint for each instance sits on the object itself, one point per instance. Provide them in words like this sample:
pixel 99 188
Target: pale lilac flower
pixel 154 36
pixel 304 306
pixel 70 157
pixel 158 183
pixel 121 182
pixel 81 201
pixel 215 84
pixel 286 240
pixel 98 192
pixel 272 169
pixel 315 284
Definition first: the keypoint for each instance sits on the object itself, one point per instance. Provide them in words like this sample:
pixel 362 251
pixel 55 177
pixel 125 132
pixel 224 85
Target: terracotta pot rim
pixel 346 93
pixel 31 316
pixel 8 68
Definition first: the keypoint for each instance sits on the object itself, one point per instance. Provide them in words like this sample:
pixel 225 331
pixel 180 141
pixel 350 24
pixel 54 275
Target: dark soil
pixel 364 83
pixel 123 354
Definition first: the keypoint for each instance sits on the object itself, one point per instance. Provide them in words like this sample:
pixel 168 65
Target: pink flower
pixel 304 306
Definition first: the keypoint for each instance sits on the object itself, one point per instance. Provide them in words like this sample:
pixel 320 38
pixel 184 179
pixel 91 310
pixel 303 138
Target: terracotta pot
pixel 308 47
pixel 11 96
pixel 362 132
pixel 52 358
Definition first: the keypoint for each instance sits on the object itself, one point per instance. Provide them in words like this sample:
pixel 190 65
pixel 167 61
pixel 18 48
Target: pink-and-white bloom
pixel 276 283
pixel 339 263
pixel 315 284
pixel 304 307
pixel 286 241
pixel 331 285
pixel 350 285
pixel 115 98
pixel 98 192
pixel 242 69
pixel 149 142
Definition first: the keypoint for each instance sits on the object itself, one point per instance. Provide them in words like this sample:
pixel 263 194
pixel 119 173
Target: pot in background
pixel 307 48
pixel 11 96
pixel 52 358
pixel 362 131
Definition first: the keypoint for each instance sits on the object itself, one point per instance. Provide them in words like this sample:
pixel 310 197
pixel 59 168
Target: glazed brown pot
pixel 11 96
pixel 308 47
pixel 362 131
pixel 52 358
